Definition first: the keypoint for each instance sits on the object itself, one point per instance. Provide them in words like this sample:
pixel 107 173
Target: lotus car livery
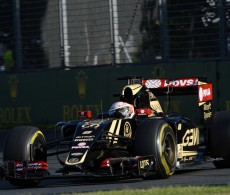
pixel 135 138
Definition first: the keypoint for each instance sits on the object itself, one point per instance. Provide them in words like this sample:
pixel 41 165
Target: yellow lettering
pixel 73 112
pixel 27 115
pixel 195 136
pixel 70 111
pixel 191 137
pixel 65 110
pixel 207 107
pixel 207 115
pixel 7 115
pixel 185 139
pixel 15 115
pixel 20 115
pixel 144 163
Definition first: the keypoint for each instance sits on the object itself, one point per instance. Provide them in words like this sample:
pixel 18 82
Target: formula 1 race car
pixel 135 138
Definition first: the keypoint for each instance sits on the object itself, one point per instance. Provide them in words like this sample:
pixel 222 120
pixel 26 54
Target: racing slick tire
pixel 23 143
pixel 157 138
pixel 219 139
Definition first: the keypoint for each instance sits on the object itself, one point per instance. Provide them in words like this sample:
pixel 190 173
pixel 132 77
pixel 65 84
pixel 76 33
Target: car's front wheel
pixel 24 143
pixel 156 137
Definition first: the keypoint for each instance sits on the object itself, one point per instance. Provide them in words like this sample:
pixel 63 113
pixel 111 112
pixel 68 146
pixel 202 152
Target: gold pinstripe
pixel 118 128
pixel 112 128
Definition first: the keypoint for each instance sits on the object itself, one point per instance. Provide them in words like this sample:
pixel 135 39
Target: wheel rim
pixel 38 152
pixel 169 147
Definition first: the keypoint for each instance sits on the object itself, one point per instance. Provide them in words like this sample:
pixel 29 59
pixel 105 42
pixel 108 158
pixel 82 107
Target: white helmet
pixel 121 110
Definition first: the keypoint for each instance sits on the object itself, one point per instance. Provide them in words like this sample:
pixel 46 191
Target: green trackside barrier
pixel 44 98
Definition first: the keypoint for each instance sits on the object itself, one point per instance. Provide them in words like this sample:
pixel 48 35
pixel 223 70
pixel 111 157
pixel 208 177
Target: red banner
pixel 163 83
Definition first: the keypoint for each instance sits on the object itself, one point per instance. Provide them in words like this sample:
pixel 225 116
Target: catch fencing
pixel 47 34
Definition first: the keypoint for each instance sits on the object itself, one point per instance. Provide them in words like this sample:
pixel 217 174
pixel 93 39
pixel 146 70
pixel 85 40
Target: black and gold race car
pixel 135 138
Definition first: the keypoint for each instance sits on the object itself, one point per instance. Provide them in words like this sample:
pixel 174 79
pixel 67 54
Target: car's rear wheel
pixel 24 143
pixel 219 139
pixel 156 137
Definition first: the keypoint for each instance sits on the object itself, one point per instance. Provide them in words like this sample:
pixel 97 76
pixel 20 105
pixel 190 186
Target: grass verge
pixel 188 190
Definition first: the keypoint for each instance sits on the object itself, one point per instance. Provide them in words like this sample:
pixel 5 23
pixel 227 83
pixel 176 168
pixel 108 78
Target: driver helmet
pixel 122 110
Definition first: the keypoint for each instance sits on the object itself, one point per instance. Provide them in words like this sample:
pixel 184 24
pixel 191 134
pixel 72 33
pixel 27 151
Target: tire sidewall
pixel 19 141
pixel 148 141
pixel 219 136
pixel 166 168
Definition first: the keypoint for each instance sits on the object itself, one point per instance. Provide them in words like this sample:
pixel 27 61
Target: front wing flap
pixel 139 166
pixel 24 169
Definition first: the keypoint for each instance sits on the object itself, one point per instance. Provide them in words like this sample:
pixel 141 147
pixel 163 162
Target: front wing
pixel 140 166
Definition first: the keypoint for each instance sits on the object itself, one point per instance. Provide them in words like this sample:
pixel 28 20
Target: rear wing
pixel 169 87
pixel 180 86
pixel 185 86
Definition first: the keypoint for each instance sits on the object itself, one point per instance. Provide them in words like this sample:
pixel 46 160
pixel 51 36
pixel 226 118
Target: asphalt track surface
pixel 202 174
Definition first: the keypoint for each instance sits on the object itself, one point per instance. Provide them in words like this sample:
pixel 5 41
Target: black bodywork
pixel 107 146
